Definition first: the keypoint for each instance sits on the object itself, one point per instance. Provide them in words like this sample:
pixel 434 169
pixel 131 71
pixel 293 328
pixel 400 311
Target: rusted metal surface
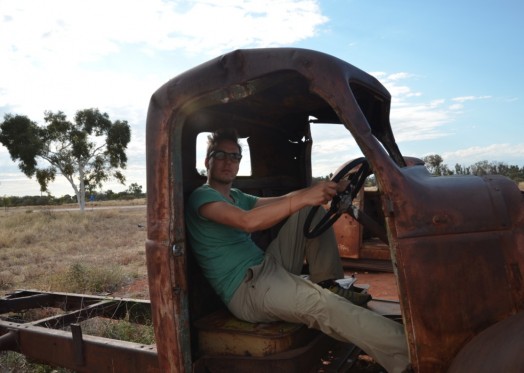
pixel 456 243
pixel 48 340
pixel 459 254
pixel 220 333
pixel 56 347
pixel 360 246
pixel 170 314
pixel 298 360
pixel 194 101
pixel 9 341
pixel 76 306
pixel 356 244
pixel 497 349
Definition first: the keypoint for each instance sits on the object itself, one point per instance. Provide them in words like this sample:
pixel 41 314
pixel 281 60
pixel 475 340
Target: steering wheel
pixel 342 202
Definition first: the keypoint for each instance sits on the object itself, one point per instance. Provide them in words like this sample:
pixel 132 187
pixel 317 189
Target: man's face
pixel 224 170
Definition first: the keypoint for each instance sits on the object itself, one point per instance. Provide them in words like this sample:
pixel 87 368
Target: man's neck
pixel 223 189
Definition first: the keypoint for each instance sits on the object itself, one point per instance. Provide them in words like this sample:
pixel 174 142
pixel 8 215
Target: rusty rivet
pixel 178 250
pixel 440 219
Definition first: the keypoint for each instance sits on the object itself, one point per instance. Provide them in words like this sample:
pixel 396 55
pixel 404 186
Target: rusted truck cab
pixel 455 244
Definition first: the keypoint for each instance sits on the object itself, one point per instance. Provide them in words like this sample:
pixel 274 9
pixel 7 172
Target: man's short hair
pixel 220 135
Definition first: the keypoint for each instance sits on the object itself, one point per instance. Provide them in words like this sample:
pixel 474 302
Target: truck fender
pixel 496 349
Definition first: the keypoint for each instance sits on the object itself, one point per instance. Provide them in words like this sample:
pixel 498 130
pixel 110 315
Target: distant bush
pixel 81 278
pixel 17 363
pixel 123 330
pixel 49 200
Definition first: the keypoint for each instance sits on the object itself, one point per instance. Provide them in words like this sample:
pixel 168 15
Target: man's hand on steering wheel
pixel 347 182
pixel 321 193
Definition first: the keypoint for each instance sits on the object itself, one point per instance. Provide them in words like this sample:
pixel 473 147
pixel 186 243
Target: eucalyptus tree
pixel 87 152
pixel 434 164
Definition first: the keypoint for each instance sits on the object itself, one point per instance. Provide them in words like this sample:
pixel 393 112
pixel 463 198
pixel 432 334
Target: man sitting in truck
pixel 259 286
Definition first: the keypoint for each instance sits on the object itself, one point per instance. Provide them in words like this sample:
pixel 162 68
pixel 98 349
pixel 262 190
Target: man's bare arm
pixel 268 211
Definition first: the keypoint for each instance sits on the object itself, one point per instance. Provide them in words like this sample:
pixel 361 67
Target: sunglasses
pixel 221 155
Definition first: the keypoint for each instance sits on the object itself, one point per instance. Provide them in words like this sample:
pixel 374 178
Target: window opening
pixel 333 145
pixel 245 163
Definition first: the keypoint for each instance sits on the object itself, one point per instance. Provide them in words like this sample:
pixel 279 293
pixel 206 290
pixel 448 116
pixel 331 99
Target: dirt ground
pixel 138 289
pixel 382 285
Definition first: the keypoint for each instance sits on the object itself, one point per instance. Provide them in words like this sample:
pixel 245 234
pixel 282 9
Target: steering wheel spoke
pixel 342 202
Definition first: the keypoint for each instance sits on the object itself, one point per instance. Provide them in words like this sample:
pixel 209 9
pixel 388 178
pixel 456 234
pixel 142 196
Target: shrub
pixel 81 278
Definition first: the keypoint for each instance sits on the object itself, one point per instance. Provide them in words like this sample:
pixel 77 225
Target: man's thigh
pixel 285 296
pixel 273 294
pixel 288 248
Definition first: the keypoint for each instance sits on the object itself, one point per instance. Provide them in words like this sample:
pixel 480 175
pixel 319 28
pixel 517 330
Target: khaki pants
pixel 274 291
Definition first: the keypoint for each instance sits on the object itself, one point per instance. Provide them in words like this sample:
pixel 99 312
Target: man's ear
pixel 206 163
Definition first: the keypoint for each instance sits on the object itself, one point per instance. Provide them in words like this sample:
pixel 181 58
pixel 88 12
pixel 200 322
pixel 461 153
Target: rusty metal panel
pixel 457 243
pixel 77 306
pixel 47 340
pixel 454 287
pixel 221 333
pixel 349 236
pixel 457 260
pixel 56 347
pixel 171 330
pixel 212 90
pixel 348 231
pixel 497 349
pixel 299 360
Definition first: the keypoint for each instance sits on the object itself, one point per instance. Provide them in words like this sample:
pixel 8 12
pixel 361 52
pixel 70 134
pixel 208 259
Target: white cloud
pixel 66 54
pixel 69 31
pixel 216 27
pixel 412 119
pixel 456 107
pixel 470 98
pixel 512 154
pixel 332 146
pixel 69 54
pixel 398 76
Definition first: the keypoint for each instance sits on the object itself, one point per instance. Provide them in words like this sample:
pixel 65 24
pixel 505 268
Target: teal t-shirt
pixel 224 253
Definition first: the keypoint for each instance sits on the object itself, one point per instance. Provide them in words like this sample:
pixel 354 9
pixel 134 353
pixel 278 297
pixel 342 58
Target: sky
pixel 454 68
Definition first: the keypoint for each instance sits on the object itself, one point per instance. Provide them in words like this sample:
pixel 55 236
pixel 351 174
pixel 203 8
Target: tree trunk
pixel 81 196
pixel 78 192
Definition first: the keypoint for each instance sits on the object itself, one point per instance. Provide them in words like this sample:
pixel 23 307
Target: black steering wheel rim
pixel 342 202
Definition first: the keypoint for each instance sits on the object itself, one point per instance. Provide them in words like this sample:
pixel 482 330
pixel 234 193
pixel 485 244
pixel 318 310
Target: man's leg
pixel 290 248
pixel 275 294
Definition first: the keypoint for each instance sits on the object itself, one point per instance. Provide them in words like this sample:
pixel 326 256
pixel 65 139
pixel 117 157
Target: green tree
pixel 87 152
pixel 434 164
pixel 6 201
pixel 482 168
pixel 461 170
pixel 135 189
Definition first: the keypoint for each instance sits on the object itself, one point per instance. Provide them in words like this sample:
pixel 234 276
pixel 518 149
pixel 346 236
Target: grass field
pixel 100 251
pixel 97 251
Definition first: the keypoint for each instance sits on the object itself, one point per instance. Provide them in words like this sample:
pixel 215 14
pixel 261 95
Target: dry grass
pixel 97 251
pixel 100 251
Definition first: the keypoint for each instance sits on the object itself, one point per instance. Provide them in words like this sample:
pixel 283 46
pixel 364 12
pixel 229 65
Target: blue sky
pixel 454 68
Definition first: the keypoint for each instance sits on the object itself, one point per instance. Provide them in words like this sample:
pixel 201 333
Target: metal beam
pixel 80 353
